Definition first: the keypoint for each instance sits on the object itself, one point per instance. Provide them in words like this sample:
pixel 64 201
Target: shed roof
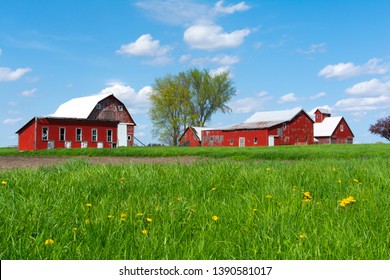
pixel 326 127
pixel 80 107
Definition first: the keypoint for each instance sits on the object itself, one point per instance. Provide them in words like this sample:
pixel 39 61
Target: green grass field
pixel 294 203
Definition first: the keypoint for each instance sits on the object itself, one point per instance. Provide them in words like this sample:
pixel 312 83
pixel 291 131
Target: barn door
pixel 241 142
pixel 122 135
pixel 271 141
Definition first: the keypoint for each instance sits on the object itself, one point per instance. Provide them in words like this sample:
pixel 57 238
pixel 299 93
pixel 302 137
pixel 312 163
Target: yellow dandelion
pixel 87 221
pixel 268 196
pixel 144 231
pixel 334 169
pixel 268 169
pixel 302 236
pixel 213 189
pixel 347 201
pixel 339 181
pixel 75 229
pixel 123 215
pixel 307 195
pixel 49 242
pixel 254 209
pixel 4 183
pixel 110 216
pixel 123 219
pixel 215 218
pixel 88 205
pixel 356 180
pixel 149 220
pixel 139 214
pixel 179 198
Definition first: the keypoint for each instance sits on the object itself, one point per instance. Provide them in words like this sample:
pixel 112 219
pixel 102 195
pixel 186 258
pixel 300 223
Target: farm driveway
pixel 11 162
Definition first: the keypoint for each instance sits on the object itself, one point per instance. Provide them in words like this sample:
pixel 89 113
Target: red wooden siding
pixel 189 138
pixel 342 134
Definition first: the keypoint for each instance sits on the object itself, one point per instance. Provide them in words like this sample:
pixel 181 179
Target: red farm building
pixel 192 136
pixel 331 130
pixel 272 128
pixel 99 121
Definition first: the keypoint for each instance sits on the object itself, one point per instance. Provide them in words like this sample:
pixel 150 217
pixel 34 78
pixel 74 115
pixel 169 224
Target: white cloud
pixel 12 121
pixel 212 37
pixel 364 104
pixel 372 87
pixel 250 104
pixel 221 70
pixel 28 93
pixel 136 102
pixel 146 46
pixel 7 74
pixel 317 96
pixel 288 98
pixel 184 58
pixel 175 12
pixel 312 111
pixel 346 70
pixel 219 59
pixel 313 49
pixel 240 7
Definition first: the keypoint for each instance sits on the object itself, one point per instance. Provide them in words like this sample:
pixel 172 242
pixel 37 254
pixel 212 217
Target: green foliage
pixel 212 209
pixel 187 99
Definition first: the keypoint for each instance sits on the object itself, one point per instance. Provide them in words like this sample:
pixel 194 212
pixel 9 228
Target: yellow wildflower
pixel 87 221
pixel 339 181
pixel 75 229
pixel 346 201
pixel 302 236
pixel 149 220
pixel 334 169
pixel 268 196
pixel 88 204
pixel 123 215
pixel 139 214
pixel 49 242
pixel 144 231
pixel 3 182
pixel 254 209
pixel 268 169
pixel 356 180
pixel 213 189
pixel 110 216
pixel 215 218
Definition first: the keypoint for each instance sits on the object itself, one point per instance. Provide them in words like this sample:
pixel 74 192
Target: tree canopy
pixel 188 99
pixel 381 128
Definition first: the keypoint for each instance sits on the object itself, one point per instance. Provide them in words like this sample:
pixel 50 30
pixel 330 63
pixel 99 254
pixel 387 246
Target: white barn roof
pixel 80 107
pixel 326 127
pixel 274 116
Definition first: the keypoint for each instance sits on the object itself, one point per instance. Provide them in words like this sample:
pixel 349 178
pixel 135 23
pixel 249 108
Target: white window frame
pixel 45 135
pixel 94 134
pixel 62 139
pixel 109 135
pixel 79 136
pixel 341 127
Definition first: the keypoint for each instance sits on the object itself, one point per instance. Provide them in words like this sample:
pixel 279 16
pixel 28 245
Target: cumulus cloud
pixel 212 37
pixel 136 102
pixel 364 104
pixel 146 46
pixel 346 70
pixel 7 74
pixel 288 98
pixel 240 7
pixel 250 104
pixel 371 87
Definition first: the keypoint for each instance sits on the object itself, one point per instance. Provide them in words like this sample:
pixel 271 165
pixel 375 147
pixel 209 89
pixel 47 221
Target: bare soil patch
pixel 12 162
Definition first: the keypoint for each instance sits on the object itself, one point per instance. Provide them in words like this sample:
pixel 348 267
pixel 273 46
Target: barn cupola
pixel 321 114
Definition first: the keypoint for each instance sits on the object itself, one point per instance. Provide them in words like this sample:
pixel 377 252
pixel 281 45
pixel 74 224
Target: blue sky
pixel 281 55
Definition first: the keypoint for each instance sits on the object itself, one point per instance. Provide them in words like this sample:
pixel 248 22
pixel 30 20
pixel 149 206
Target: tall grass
pixel 281 152
pixel 215 209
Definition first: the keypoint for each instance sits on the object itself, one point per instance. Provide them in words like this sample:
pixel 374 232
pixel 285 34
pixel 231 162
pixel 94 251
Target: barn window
pixel 255 140
pixel 62 133
pixel 109 135
pixel 79 134
pixel 45 133
pixel 98 106
pixel 94 134
pixel 341 127
pixel 128 137
pixel 284 126
pixel 231 141
pixel 279 131
pixel 120 108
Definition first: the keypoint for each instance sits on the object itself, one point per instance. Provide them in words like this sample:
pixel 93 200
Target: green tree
pixel 187 99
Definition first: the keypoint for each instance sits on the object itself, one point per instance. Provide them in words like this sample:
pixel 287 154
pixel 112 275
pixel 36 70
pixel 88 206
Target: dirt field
pixel 33 162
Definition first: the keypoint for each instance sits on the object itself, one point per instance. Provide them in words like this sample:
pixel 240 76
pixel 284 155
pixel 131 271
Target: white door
pixel 68 144
pixel 241 142
pixel 271 141
pixel 100 145
pixel 122 135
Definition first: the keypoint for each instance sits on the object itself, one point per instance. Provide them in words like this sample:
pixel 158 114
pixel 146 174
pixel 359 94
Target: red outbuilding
pixel 272 128
pixel 99 121
pixel 192 136
pixel 331 130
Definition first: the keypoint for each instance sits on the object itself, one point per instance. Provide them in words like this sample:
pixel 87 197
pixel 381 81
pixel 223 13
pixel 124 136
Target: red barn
pixel 273 128
pixel 331 130
pixel 99 121
pixel 192 136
